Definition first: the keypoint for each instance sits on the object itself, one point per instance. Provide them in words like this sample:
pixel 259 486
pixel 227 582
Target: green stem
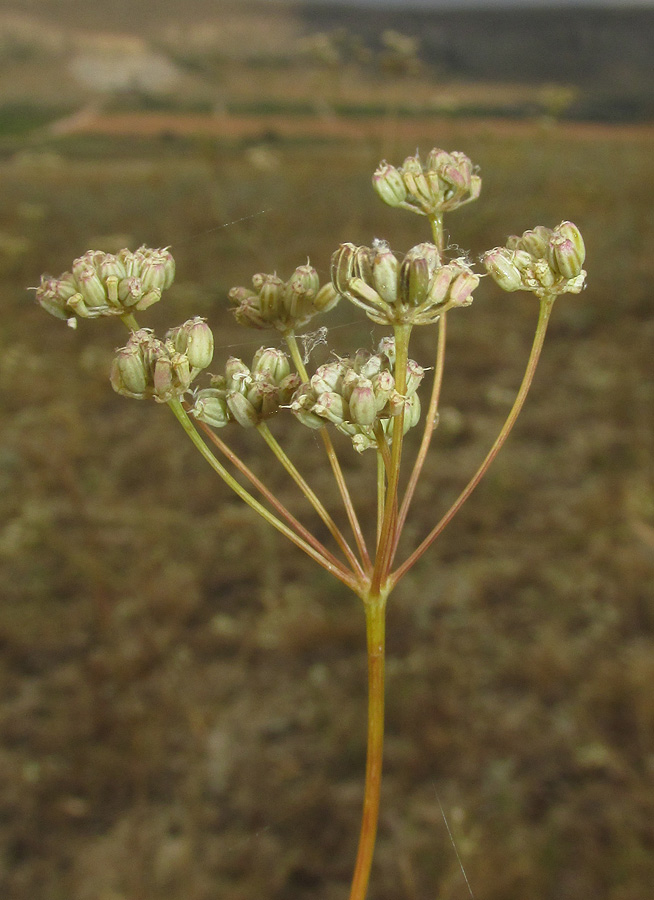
pixel 291 342
pixel 334 530
pixel 130 322
pixel 239 490
pixel 430 424
pixel 381 490
pixel 436 222
pixel 375 607
pixel 387 538
pixel 546 304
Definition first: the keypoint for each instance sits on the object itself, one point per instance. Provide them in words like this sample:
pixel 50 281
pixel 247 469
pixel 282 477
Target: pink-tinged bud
pixel 437 159
pixel 293 300
pixel 411 412
pixel 330 406
pixel 240 294
pixel 462 288
pixel 383 385
pixel 440 286
pixel 90 287
pixel 131 261
pixel 111 265
pixel 53 294
pixel 500 266
pixel 414 375
pixel 570 231
pixel 366 363
pixel 306 279
pixel 272 362
pixel 388 183
pixel 362 403
pixel 263 396
pixel 130 290
pixel 148 300
pixel 164 258
pixel 385 270
pixel 563 257
pixel 535 242
pixel 288 386
pixel 417 184
pixel 474 191
pixel 328 377
pixel 153 275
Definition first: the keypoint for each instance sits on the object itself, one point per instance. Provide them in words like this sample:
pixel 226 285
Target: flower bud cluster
pixel 358 395
pixel 544 261
pixel 284 305
pixel 442 183
pixel 415 291
pixel 104 284
pixel 148 367
pixel 247 395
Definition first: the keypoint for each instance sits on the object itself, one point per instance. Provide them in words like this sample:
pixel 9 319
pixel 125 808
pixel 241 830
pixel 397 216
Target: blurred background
pixel 176 722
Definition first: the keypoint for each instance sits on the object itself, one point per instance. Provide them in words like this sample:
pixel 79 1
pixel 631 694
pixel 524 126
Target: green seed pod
pixel 362 403
pixel 195 339
pixel 535 242
pixel 326 298
pixel 128 373
pixel 389 184
pixel 242 410
pixel 237 374
pixel 385 271
pixel 210 407
pixel 90 287
pixel 111 265
pixel 130 290
pixel 273 362
pixel 328 377
pixel 563 257
pixel 500 265
pixel 462 287
pixel 271 297
pixel 331 406
pixel 570 231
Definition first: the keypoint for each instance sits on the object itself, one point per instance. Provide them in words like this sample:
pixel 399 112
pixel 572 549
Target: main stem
pixel 375 607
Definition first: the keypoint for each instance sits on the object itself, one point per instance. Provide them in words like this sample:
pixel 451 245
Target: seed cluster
pixel 357 394
pixel 104 284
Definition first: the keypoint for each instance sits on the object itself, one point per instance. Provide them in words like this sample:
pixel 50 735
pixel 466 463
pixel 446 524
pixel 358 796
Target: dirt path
pixel 284 126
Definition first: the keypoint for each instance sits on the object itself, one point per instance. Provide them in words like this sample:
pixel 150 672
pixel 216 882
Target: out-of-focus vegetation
pixel 177 722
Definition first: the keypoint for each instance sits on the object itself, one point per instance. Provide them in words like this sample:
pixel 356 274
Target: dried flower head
pixel 415 291
pixel 284 305
pixel 247 395
pixel 544 261
pixel 104 284
pixel 442 183
pixel 164 370
pixel 357 394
